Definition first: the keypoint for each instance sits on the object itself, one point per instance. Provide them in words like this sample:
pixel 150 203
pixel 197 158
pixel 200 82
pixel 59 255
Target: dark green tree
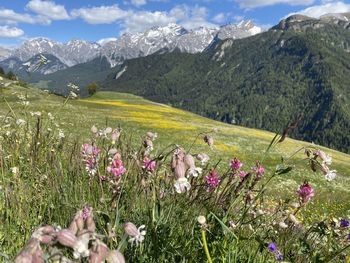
pixel 92 88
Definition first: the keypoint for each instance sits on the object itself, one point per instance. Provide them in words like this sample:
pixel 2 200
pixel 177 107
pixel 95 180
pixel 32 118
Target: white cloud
pixel 9 16
pixel 101 14
pixel 138 2
pixel 10 32
pixel 48 9
pixel 106 40
pixel 219 18
pixel 319 10
pixel 140 21
pixel 248 4
pixel 191 17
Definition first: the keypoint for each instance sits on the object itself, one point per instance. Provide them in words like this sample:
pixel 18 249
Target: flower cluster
pixel 306 192
pixel 212 180
pixel 90 154
pixel 80 237
pixel 116 167
pixel 272 247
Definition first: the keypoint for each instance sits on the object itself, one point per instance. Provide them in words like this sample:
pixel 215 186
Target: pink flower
pixel 242 174
pixel 116 168
pixel 258 169
pixel 149 165
pixel 305 192
pixel 90 155
pixel 235 164
pixel 212 180
pixel 86 212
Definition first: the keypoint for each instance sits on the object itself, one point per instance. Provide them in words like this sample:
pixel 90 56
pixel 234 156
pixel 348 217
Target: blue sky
pixel 93 20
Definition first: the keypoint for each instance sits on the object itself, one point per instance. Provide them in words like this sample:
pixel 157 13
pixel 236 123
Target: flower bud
pixel 99 253
pixel 90 224
pixel 209 140
pixel 283 225
pixel 46 239
pixel 94 129
pixel 189 161
pixel 66 238
pixel 131 229
pixel 23 257
pixel 180 170
pixel 115 256
pixel 201 220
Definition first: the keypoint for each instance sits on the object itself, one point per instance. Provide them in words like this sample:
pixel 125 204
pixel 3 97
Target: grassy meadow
pixel 43 180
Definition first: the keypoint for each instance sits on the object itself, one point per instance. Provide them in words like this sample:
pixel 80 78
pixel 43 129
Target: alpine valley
pixel 297 70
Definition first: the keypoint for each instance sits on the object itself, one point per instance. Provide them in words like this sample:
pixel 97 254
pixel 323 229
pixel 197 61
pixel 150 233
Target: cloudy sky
pixel 94 20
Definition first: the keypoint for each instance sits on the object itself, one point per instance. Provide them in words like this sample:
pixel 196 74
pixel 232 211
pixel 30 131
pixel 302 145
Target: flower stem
pixel 205 245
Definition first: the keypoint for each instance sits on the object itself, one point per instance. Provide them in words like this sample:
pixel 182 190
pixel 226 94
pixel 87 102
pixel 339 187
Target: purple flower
pixel 258 169
pixel 235 164
pixel 213 180
pixel 272 247
pixel 86 212
pixel 348 237
pixel 305 192
pixel 344 222
pixel 279 257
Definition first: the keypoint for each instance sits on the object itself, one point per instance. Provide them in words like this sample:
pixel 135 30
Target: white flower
pixel 61 134
pixel 182 185
pixel 37 114
pixel 20 122
pixel 203 158
pixel 331 175
pixel 282 225
pixel 195 172
pixel 136 235
pixel 51 117
pixel 14 170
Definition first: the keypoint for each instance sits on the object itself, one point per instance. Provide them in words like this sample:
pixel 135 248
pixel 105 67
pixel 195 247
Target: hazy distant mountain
pixel 167 38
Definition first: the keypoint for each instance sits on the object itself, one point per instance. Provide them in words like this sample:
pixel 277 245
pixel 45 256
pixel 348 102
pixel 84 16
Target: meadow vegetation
pixel 120 178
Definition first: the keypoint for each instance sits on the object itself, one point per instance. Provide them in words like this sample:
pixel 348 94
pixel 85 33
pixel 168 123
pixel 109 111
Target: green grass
pixel 52 184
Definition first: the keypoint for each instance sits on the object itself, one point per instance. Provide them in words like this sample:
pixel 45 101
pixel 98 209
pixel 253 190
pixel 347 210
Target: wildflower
pixel 235 164
pixel 305 192
pixel 293 219
pixel 348 237
pixel 272 247
pixel 193 170
pixel 258 169
pixel 212 180
pixel 203 158
pixel 116 168
pixel 242 174
pixel 182 185
pixel 14 170
pixel 232 224
pixel 279 257
pixel 90 155
pixel 151 135
pixel 81 247
pixel 61 134
pixel 51 117
pixel 94 129
pixel 326 159
pixel 149 165
pixel 148 144
pixel 115 256
pixel 329 174
pixel 20 122
pixel 86 212
pixel 201 220
pixel 209 140
pixel 36 114
pixel 136 235
pixel 115 136
pixel 344 222
pixel 282 225
pixel 72 95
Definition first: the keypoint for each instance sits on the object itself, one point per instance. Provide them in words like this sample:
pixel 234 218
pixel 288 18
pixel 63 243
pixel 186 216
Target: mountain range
pixel 157 39
pixel 296 72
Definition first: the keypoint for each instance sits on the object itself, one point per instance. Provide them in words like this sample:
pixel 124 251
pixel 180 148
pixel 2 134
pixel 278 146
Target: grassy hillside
pixel 264 82
pixel 51 182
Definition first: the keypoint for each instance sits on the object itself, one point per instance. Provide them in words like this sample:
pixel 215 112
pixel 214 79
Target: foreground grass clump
pixel 197 202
